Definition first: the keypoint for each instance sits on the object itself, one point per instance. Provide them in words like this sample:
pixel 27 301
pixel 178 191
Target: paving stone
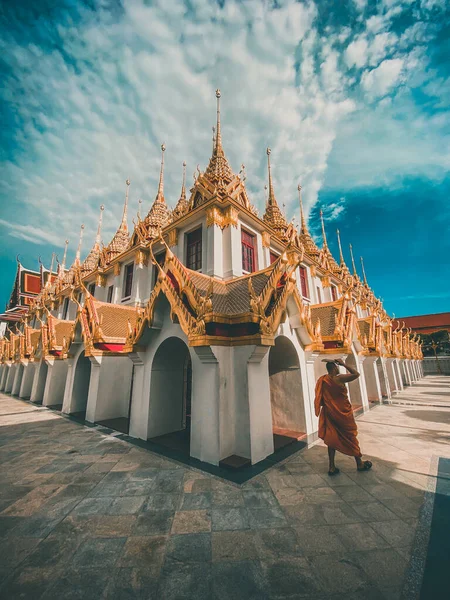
pixel 277 543
pixel 52 551
pixel 191 521
pixel 383 567
pixel 128 505
pixel 162 501
pixel 373 511
pixel 291 578
pixel 196 501
pixel 234 545
pixel 181 581
pixel 78 583
pixel 169 481
pixel 397 533
pixel 304 514
pixel 190 547
pixel 144 552
pixel 229 519
pixel 290 496
pixel 314 540
pixel 340 513
pixel 93 506
pixel 242 580
pixel 153 522
pixel 28 583
pixel 271 516
pixel 259 498
pixel 354 493
pixel 359 536
pixel 138 488
pixel 322 495
pixel 339 574
pixel 132 584
pixel 14 549
pixel 229 497
pixel 98 552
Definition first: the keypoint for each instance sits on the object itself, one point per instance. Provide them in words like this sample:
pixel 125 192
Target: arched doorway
pixel 286 393
pixel 80 390
pixel 354 387
pixel 42 378
pixel 170 396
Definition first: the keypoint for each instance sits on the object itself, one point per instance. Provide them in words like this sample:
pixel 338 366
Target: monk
pixel 337 426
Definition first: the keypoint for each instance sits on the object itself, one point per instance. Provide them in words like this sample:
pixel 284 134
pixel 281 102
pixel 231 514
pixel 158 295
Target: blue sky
pixel 353 97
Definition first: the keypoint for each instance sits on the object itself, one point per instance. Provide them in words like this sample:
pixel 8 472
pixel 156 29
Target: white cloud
pixel 356 53
pixel 381 80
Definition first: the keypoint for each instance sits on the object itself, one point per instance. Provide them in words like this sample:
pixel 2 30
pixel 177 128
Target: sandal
pixel 335 472
pixel 366 466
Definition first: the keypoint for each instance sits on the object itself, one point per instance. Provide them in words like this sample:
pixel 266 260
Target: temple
pixel 204 327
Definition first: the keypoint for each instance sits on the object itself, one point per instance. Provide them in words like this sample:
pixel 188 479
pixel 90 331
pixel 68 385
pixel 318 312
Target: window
pixel 304 282
pixel 128 281
pixel 160 258
pixel 110 294
pixel 319 295
pixel 92 289
pixel 273 257
pixel 248 251
pixel 80 298
pixel 333 293
pixel 194 250
pixel 65 308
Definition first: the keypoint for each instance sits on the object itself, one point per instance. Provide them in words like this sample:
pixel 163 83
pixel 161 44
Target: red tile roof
pixel 426 323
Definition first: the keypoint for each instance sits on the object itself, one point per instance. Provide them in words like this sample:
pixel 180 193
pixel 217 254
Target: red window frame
pixel 333 293
pixel 248 243
pixel 128 280
pixel 194 249
pixel 273 257
pixel 304 282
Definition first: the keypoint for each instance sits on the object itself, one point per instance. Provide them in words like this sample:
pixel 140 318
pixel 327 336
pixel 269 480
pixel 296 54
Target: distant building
pixel 426 323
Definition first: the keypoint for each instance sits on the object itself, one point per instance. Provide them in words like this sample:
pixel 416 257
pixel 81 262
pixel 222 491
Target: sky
pixel 353 97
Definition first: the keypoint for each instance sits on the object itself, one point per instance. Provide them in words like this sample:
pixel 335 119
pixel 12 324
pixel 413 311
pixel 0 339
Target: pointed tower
pixel 273 215
pixel 91 261
pixel 325 252
pixel 159 214
pixel 364 272
pixel 62 266
pixel 355 273
pixel 219 171
pixel 305 237
pixel 182 205
pixel 342 264
pixel 121 238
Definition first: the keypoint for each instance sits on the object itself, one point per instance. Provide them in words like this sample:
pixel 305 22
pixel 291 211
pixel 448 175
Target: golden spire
pixel 353 261
pixel 124 223
pixel 218 145
pixel 49 280
pixel 160 194
pixel 271 199
pixel 91 261
pixel 341 256
pixel 63 264
pixel 364 273
pixel 324 235
pixel 98 237
pixel 182 205
pixel 78 254
pixel 139 209
pixel 303 226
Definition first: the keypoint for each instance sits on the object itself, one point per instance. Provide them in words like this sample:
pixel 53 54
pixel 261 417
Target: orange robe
pixel 337 426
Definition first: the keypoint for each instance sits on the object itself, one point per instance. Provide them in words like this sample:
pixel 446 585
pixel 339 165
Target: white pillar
pixel 260 410
pixel 27 379
pixel 7 367
pixel 56 382
pixel 361 381
pixel 10 379
pixel 94 383
pixel 38 387
pixel 139 400
pixel 17 380
pixel 398 373
pixel 214 256
pixel 232 252
pixel 311 359
pixel 67 399
pixel 373 386
pixel 392 375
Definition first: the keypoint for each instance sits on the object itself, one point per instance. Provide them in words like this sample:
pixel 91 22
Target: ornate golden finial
pixel 324 235
pixel 77 257
pixel 303 226
pixel 183 185
pixel 49 280
pixel 364 272
pixel 218 144
pixel 353 261
pixel 271 192
pixel 125 206
pixel 160 195
pixel 213 138
pixel 99 227
pixel 63 264
pixel 341 256
pixel 139 209
pixel 242 173
pixel 182 205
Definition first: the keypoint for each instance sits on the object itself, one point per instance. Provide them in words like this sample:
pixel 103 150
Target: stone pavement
pixel 85 515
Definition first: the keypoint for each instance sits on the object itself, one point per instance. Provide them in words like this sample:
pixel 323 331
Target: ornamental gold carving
pixel 172 238
pixel 265 239
pixel 100 280
pixel 214 216
pixel 326 281
pixel 313 270
pixel 141 258
pixel 117 268
pixel 231 217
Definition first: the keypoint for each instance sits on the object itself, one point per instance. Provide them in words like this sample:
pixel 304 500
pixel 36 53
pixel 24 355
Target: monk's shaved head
pixel 332 368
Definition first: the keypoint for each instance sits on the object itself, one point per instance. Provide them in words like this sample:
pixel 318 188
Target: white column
pixel 17 380
pixel 214 257
pixel 140 399
pixel 69 386
pixel 260 410
pixel 55 383
pixel 383 378
pixel 10 378
pixel 4 376
pixel 232 252
pixel 392 375
pixel 373 385
pixel 27 379
pixel 94 383
pixel 139 283
pixel 361 381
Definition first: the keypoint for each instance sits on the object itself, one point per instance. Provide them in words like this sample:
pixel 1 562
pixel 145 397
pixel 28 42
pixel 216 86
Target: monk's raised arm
pixel 353 373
